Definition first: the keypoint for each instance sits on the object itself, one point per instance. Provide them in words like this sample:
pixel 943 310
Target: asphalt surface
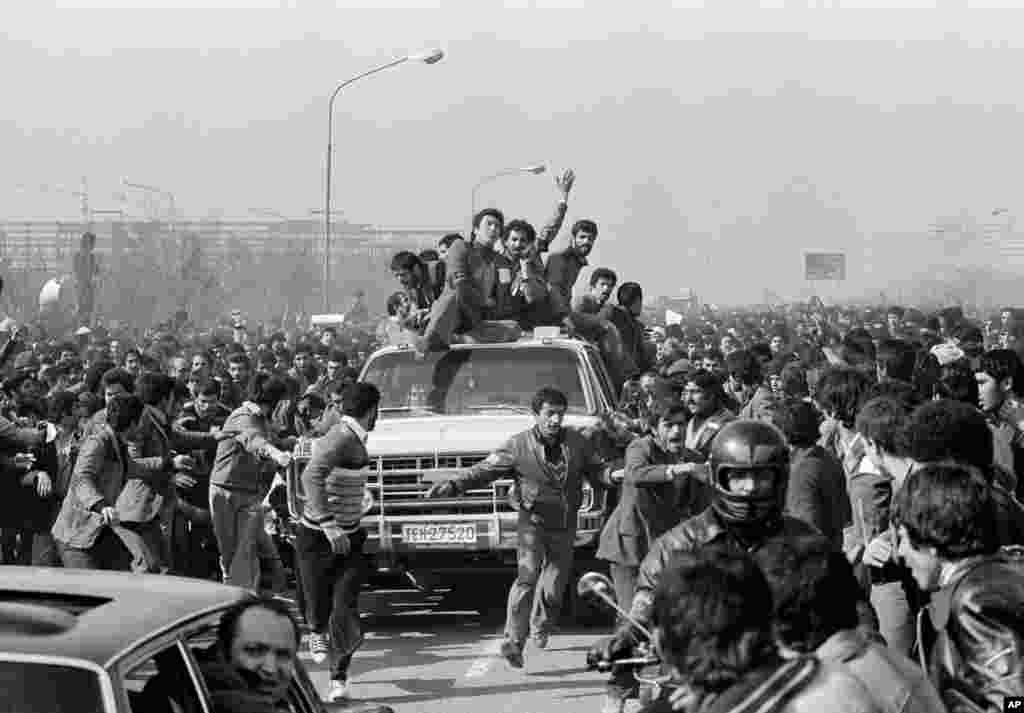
pixel 420 657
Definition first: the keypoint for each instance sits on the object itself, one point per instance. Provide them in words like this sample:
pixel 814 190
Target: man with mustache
pixel 564 267
pixel 659 489
pixel 549 463
pixel 704 397
pixel 521 292
pixel 252 664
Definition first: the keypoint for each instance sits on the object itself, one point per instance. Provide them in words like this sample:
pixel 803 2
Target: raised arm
pixel 549 232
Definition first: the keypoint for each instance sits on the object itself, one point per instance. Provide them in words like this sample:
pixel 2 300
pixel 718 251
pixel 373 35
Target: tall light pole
pixel 535 170
pixel 431 57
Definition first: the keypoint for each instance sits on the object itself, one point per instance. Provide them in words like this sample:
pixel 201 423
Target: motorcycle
pixel 645 665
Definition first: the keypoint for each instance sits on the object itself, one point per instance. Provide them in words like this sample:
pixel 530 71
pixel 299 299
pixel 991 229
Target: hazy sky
pixel 766 131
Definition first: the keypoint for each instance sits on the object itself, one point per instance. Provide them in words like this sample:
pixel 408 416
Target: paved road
pixel 417 658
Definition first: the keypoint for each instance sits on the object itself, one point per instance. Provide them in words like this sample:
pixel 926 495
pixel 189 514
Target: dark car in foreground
pixel 83 641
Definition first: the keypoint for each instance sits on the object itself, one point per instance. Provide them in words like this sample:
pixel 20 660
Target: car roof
pixel 113 611
pixel 527 342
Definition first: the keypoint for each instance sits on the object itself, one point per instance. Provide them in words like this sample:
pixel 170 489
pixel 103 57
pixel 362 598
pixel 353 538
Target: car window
pixel 602 375
pixel 202 644
pixel 467 381
pixel 162 684
pixel 29 687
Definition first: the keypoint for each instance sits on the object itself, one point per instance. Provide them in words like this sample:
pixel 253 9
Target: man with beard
pixel 749 470
pixel 549 464
pixel 659 489
pixel 564 267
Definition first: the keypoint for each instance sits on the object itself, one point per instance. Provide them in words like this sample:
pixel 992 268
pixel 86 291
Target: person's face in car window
pixel 265 650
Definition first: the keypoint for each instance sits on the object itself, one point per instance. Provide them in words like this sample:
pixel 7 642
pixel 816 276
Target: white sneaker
pixel 318 647
pixel 337 691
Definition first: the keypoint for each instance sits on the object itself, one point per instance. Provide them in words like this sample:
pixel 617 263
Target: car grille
pixel 433 462
pixel 399 483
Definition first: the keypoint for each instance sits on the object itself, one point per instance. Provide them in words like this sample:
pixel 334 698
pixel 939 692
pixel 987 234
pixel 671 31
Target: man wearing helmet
pixel 749 469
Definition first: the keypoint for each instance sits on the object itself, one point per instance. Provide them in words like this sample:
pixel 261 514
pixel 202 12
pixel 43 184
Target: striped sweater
pixel 334 479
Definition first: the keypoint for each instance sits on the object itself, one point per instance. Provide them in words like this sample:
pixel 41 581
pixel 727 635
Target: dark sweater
pixel 817 492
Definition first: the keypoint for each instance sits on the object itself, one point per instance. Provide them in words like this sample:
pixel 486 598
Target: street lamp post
pixel 431 57
pixel 534 170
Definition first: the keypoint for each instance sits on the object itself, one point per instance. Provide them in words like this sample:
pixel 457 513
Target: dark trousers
pixel 330 587
pixel 622 682
pixel 544 562
pixel 624 580
pixel 456 309
pixel 107 552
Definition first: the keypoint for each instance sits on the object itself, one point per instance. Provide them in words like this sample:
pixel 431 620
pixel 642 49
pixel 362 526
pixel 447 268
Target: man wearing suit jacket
pixel 329 538
pixel 704 395
pixel 549 463
pixel 664 483
pixel 88 528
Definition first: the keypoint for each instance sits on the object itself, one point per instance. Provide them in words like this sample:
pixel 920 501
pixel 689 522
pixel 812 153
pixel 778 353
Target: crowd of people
pixel 810 495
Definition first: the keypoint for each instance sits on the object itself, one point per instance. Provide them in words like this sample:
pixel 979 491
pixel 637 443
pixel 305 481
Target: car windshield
pixel 48 688
pixel 468 381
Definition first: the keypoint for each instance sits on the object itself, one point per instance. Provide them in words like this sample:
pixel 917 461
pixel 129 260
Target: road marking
pixel 483 664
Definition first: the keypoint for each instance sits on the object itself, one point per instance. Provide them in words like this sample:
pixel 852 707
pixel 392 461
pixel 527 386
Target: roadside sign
pixel 820 266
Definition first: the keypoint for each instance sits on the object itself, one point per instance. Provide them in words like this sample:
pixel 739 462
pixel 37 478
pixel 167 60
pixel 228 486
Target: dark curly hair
pixel 813 587
pixel 841 392
pixel 884 421
pixel 521 226
pixel 123 410
pixel 957 382
pixel 798 420
pixel 948 430
pixel 949 508
pixel 713 609
pixel 1002 364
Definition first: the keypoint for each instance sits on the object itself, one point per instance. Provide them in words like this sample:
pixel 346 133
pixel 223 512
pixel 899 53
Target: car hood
pixel 451 434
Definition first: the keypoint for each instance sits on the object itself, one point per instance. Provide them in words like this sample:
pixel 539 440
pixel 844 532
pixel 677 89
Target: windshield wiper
pixel 518 408
pixel 402 409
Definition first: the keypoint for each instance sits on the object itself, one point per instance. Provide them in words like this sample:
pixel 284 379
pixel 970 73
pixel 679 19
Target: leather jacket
pixel 691 534
pixel 977 621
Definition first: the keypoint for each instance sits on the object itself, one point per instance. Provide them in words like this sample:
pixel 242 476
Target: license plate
pixel 447 533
